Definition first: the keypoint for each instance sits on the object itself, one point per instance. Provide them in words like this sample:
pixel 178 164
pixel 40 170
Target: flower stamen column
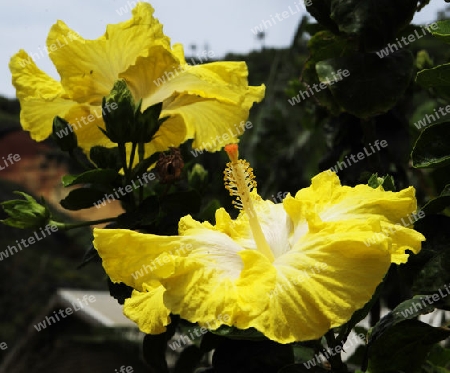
pixel 239 181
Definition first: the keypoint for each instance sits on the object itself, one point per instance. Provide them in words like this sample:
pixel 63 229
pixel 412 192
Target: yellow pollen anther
pixel 239 180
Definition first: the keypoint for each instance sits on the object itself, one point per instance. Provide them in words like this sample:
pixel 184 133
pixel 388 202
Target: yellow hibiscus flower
pixel 204 102
pixel 291 270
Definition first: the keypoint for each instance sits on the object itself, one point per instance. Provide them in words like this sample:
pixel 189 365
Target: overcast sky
pixel 220 26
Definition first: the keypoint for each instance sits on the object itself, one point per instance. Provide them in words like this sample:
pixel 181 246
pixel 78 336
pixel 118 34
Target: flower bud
pixel 118 110
pixel 197 176
pixel 26 213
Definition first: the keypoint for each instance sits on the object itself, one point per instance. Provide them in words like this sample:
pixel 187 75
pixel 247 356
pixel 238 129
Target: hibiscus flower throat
pixel 240 181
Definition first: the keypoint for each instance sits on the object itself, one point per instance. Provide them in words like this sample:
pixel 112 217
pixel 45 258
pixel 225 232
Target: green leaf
pixel 373 22
pixel 322 46
pixel 411 308
pixel 303 353
pixel 374 85
pixel 437 78
pixel 387 182
pixel 440 356
pixel 439 203
pixel 82 198
pixel 432 148
pixel 442 31
pixel 235 333
pixel 404 347
pixel 106 157
pixel 97 176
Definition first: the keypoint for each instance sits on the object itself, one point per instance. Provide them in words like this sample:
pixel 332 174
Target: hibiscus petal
pixel 211 123
pixel 40 96
pixel 327 201
pixel 146 308
pixel 99 62
pixel 309 299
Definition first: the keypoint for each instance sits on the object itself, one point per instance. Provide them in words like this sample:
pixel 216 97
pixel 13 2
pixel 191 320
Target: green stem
pixel 123 159
pixel 141 155
pixel 68 226
pixel 337 366
pixel 133 152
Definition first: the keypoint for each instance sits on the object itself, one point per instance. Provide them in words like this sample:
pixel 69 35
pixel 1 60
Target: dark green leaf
pixel 64 135
pixel 374 85
pixel 437 78
pixel 91 255
pixel 82 198
pixel 404 347
pixel 358 315
pixel 235 333
pixel 251 356
pixel 148 123
pixel 322 46
pixel 143 166
pixel 432 148
pixel 431 264
pixel 145 214
pixel 301 368
pixel 106 157
pixel 440 356
pixel 209 211
pixel 154 351
pixel 97 176
pixel 181 202
pixel 442 31
pixel 154 347
pixel 387 182
pixel 189 359
pixel 209 342
pixel 373 22
pixel 439 203
pixel 321 11
pixel 303 353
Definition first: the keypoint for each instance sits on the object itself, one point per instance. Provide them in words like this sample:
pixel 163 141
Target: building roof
pixel 105 311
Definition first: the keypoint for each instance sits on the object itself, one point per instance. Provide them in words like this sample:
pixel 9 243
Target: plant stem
pixel 68 226
pixel 126 169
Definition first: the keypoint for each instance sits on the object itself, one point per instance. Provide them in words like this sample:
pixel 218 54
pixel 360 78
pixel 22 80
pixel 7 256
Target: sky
pixel 214 26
